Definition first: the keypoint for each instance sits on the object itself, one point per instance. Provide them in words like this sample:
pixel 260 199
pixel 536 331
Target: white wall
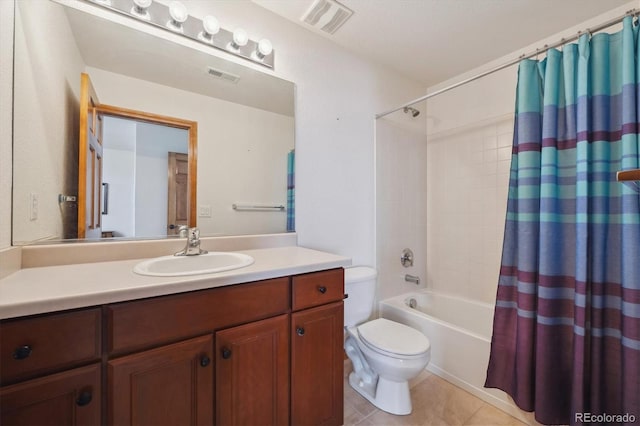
pixel 6 103
pixel 119 138
pixel 151 196
pixel 153 143
pixel 44 111
pixel 118 169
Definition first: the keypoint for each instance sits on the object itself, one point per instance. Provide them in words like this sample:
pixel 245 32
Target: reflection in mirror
pixel 144 178
pixel 245 129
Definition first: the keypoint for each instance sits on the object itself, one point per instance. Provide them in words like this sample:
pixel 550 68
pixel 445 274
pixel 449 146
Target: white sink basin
pixel 174 266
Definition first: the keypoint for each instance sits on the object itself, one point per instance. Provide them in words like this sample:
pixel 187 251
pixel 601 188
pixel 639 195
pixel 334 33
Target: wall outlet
pixel 204 211
pixel 33 206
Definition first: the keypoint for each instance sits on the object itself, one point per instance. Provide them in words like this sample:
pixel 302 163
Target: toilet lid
pixel 393 337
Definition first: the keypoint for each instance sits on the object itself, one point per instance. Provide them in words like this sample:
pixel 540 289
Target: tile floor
pixel 435 402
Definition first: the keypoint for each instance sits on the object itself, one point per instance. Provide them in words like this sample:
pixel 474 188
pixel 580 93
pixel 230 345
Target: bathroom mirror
pixel 244 129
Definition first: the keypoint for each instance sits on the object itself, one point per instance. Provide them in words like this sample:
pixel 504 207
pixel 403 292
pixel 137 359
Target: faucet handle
pixel 194 233
pixel 183 231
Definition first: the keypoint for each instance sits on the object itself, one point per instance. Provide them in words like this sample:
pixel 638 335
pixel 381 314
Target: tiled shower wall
pixel 441 189
pixel 470 132
pixel 468 176
pixel 401 200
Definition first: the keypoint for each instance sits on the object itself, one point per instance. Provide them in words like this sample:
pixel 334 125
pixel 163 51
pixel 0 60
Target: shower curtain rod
pixel 632 12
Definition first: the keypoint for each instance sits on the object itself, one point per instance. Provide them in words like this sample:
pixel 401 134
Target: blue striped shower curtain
pixel 291 191
pixel 566 333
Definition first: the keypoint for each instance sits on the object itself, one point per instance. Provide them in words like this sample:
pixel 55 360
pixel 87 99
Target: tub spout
pixel 412 279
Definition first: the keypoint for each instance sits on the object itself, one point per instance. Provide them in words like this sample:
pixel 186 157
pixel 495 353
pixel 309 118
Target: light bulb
pixel 178 12
pixel 240 37
pixel 140 8
pixel 211 25
pixel 264 48
pixel 142 4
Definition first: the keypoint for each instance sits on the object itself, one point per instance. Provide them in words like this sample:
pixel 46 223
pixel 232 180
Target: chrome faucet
pixel 193 242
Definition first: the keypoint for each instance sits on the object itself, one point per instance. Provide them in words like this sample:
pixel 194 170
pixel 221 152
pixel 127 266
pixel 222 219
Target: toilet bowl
pixel 385 354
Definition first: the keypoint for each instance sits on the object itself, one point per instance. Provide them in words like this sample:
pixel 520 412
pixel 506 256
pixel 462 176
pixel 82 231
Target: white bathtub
pixel 460 334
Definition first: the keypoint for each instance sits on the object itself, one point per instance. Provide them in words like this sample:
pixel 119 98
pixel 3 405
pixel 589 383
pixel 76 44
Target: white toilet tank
pixel 360 285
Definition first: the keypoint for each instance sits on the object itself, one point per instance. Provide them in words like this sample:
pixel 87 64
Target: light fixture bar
pixel 158 15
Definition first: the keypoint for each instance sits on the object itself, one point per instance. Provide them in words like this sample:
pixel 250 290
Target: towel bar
pixel 241 207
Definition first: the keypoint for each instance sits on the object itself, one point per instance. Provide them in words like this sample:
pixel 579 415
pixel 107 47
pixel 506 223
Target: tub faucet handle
pixel 407 258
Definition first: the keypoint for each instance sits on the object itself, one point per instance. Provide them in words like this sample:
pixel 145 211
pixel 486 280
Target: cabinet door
pixel 317 365
pixel 69 398
pixel 252 373
pixel 170 385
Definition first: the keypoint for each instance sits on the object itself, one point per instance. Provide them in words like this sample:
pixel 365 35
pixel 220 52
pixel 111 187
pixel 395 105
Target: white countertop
pixel 53 288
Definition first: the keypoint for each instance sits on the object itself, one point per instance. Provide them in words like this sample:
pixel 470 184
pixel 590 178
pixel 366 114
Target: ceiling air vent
pixel 327 15
pixel 222 75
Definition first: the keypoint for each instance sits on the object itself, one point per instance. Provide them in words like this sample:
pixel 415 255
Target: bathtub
pixel 460 334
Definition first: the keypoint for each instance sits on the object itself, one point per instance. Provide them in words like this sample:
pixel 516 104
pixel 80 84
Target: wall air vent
pixel 327 15
pixel 222 75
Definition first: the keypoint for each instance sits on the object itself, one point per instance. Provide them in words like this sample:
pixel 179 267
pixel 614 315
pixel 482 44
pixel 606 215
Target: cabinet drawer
pixel 41 345
pixel 317 288
pixel 71 397
pixel 146 323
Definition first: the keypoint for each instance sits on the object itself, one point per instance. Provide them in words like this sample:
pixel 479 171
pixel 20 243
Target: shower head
pixel 414 112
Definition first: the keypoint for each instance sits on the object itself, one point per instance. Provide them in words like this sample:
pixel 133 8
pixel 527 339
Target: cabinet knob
pixel 204 361
pixel 300 331
pixel 84 398
pixel 22 352
pixel 322 289
pixel 226 353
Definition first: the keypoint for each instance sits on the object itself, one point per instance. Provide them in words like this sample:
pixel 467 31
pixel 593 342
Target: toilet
pixel 385 354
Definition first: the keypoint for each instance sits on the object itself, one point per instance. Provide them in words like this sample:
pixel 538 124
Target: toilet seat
pixel 393 339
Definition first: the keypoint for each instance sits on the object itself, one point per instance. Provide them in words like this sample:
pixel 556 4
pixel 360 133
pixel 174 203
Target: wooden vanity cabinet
pixel 316 348
pixel 169 385
pixel 50 370
pixel 267 352
pixel 34 346
pixel 68 398
pixel 252 373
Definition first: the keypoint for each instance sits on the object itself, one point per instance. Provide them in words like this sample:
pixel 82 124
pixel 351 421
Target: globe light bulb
pixel 240 37
pixel 142 4
pixel 264 48
pixel 178 12
pixel 140 8
pixel 210 25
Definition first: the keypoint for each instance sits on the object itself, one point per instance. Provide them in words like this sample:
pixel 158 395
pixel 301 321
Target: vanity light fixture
pixel 175 18
pixel 179 15
pixel 140 9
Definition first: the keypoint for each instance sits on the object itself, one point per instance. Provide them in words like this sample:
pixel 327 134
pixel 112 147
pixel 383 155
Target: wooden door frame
pixel 190 126
pixel 87 109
